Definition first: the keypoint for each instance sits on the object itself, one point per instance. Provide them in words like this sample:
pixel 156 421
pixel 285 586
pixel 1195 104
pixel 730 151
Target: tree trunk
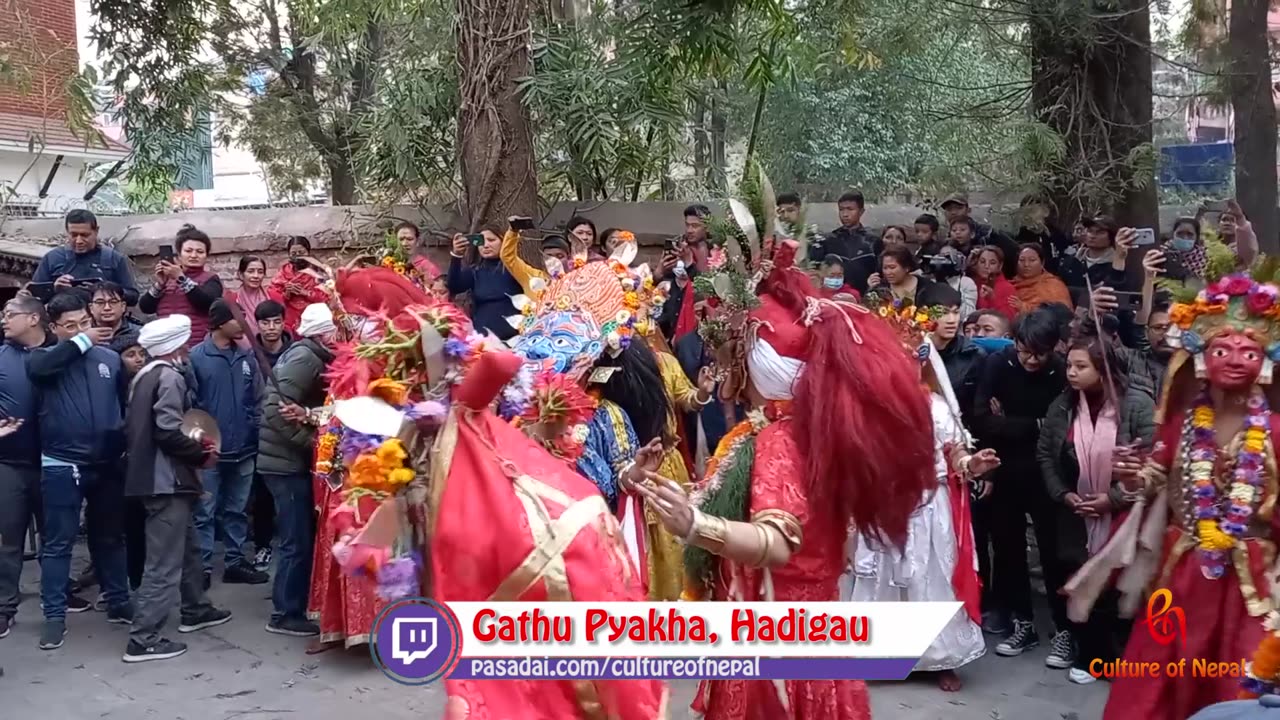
pixel 495 143
pixel 342 180
pixel 1255 119
pixel 716 175
pixel 700 145
pixel 1094 89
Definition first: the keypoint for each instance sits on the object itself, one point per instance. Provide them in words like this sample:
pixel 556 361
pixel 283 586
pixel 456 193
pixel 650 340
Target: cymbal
pixel 198 424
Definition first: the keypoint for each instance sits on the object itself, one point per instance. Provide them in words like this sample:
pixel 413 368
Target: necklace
pixel 1219 522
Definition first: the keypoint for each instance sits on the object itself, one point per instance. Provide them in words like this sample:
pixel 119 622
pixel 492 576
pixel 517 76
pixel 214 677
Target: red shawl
pixel 964 578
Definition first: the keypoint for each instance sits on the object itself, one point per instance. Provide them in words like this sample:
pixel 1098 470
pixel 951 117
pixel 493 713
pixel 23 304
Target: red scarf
pixel 964 578
pixel 687 320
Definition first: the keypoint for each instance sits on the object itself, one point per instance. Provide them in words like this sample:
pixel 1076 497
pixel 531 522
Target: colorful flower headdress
pixel 909 321
pixel 620 300
pixel 1238 303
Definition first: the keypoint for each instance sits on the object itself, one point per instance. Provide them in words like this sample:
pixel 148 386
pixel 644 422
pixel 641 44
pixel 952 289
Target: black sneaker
pixel 77 604
pixel 995 623
pixel 295 627
pixel 206 618
pixel 1022 639
pixel 1062 651
pixel 162 650
pixel 52 634
pixel 6 623
pixel 262 559
pixel 208 580
pixel 244 575
pixel 121 615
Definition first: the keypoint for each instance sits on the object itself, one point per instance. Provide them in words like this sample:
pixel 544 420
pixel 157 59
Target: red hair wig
pixel 863 428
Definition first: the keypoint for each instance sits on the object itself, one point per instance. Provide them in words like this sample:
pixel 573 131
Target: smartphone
pixel 1145 236
pixel 672 244
pixel 1128 301
pixel 478 238
pixel 43 292
pixel 520 223
pixel 166 253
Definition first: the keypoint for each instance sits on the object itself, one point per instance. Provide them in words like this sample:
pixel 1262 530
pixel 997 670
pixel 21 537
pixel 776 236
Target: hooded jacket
pixel 81 389
pixel 162 459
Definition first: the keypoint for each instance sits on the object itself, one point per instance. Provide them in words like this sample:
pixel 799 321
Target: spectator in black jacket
pixel 84 259
pixel 962 358
pixel 928 243
pixel 956 207
pixel 273 339
pixel 162 472
pixel 851 241
pixel 108 309
pixel 1038 228
pixel 24 330
pixel 81 387
pixel 1017 386
pixel 1100 258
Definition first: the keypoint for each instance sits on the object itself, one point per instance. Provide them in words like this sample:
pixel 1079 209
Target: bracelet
pixel 709 532
pixel 693 528
pixel 710 396
pixel 622 474
pixel 766 544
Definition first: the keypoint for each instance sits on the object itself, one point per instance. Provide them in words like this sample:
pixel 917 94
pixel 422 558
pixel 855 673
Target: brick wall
pixel 40 37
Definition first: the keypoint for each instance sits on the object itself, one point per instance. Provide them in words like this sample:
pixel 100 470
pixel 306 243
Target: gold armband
pixel 784 522
pixel 766 544
pixel 708 532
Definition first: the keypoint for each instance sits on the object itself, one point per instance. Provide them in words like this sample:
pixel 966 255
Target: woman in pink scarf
pixel 1096 415
pixel 252 291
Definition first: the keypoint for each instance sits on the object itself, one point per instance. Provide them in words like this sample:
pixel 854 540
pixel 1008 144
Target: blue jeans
pixel 296 530
pixel 221 511
pixel 61 490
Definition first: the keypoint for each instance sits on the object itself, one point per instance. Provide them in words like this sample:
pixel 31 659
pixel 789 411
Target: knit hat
pixel 317 319
pixel 124 341
pixel 166 335
pixel 219 314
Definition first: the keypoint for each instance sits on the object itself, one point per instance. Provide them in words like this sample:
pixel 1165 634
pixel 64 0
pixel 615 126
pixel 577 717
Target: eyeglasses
pixel 11 314
pixel 102 303
pixel 1025 354
pixel 72 326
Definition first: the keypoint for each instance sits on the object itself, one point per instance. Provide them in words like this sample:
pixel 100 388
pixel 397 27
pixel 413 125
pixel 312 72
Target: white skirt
pixel 921 572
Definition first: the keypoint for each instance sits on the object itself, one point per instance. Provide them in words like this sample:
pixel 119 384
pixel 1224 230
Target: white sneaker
pixel 1080 677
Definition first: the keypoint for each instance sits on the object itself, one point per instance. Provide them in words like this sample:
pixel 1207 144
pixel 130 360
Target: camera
pixel 942 266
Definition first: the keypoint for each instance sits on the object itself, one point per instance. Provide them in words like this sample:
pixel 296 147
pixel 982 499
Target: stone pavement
pixel 239 672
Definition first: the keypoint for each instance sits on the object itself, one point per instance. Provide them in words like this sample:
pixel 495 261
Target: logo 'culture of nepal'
pixel 416 641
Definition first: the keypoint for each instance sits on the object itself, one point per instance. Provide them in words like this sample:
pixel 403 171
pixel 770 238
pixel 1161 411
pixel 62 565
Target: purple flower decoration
pixel 354 443
pixel 457 349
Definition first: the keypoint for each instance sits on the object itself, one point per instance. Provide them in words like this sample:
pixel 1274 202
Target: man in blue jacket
pixel 83 258
pixel 24 331
pixel 229 388
pixel 81 391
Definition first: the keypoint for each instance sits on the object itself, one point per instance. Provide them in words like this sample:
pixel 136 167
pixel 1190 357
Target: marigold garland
pixel 1222 521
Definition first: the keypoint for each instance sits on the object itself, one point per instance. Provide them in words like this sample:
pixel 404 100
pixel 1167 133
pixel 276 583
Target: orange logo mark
pixel 1165 621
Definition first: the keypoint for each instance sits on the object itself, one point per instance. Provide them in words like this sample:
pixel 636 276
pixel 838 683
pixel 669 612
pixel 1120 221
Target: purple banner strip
pixel 694 668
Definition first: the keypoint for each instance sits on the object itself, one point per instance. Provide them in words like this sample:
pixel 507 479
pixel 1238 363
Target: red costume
pixel 819 469
pixel 306 289
pixel 1205 526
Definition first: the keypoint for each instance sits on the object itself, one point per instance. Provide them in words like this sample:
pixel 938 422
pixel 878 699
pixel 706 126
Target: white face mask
pixel 1182 244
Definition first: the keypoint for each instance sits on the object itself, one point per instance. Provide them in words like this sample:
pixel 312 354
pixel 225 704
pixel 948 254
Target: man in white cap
pixel 286 439
pixel 163 473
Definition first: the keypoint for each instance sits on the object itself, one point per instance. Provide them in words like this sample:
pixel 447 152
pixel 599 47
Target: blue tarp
pixel 1201 166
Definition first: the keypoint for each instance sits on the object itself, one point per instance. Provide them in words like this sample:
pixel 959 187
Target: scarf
pixel 1194 260
pixel 248 299
pixel 687 318
pixel 772 374
pixel 1094 444
pixel 1043 288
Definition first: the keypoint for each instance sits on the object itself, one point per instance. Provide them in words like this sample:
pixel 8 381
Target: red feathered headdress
pixel 856 395
pixel 377 290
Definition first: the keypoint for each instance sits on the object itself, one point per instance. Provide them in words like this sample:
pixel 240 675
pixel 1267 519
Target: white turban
pixel 317 319
pixel 772 374
pixel 166 335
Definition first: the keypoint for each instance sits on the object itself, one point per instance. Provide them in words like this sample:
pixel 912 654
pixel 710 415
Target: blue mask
pixel 1182 244
pixel 833 283
pixel 992 344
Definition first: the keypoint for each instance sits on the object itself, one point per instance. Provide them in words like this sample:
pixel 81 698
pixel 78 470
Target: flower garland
pixel 1216 531
pixel 725 493
pixel 559 403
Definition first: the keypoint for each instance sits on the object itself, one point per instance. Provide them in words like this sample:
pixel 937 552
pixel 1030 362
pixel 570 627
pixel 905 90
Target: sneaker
pixel 995 623
pixel 6 623
pixel 1062 652
pixel 122 615
pixel 1022 639
pixel 52 634
pixel 208 580
pixel 208 617
pixel 77 604
pixel 295 627
pixel 1080 677
pixel 244 575
pixel 100 605
pixel 262 559
pixel 162 650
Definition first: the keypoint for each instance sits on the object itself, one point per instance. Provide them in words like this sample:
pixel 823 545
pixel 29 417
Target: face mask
pixel 680 271
pixel 834 283
pixel 991 344
pixel 1182 244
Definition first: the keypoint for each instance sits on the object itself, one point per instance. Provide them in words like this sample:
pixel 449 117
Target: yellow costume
pixel 523 272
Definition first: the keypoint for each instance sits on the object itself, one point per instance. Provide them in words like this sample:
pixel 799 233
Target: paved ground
pixel 239 672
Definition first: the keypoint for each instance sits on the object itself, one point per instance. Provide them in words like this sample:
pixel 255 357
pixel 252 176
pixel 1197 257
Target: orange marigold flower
pixel 366 471
pixel 389 390
pixel 391 453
